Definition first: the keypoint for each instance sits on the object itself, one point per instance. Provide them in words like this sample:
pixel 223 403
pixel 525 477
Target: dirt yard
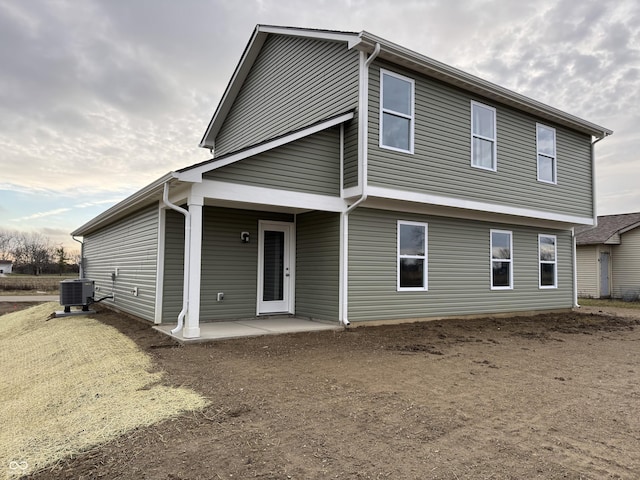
pixel 548 397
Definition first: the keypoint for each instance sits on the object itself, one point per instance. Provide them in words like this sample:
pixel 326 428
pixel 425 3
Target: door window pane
pixel 273 274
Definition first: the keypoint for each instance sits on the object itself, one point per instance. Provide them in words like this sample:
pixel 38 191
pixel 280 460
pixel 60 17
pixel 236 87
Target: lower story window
pixel 501 260
pixel 547 251
pixel 412 256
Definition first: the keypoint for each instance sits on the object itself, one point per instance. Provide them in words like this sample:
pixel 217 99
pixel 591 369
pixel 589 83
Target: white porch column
pixel 192 319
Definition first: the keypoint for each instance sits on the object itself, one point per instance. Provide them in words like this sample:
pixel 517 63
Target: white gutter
pixel 363 138
pixel 187 255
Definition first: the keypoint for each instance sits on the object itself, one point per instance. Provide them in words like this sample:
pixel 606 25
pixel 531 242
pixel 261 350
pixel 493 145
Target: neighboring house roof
pixel 608 230
pixel 365 41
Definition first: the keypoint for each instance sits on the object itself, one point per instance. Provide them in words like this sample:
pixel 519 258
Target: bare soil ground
pixel 549 397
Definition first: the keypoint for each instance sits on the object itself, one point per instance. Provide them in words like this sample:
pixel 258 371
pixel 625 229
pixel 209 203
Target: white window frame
pixel 493 140
pixel 492 260
pixel 554 263
pixel 554 158
pixel 383 110
pixel 425 279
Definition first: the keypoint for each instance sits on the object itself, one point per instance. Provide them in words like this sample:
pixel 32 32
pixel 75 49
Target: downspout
pixel 364 127
pixel 363 139
pixel 81 273
pixel 575 268
pixel 187 255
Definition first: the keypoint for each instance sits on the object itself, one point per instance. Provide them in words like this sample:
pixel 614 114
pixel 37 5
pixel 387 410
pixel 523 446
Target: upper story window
pixel 547 251
pixel 412 256
pixel 483 136
pixel 501 260
pixel 396 112
pixel 546 141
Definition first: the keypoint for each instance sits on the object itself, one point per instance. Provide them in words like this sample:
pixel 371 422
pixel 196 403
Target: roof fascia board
pixel 132 201
pixel 630 227
pixel 333 36
pixel 475 84
pixel 195 174
pixel 613 239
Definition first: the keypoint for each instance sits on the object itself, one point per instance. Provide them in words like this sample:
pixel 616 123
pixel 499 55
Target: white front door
pixel 275 267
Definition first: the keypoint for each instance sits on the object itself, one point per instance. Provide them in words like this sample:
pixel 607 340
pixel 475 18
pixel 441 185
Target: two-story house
pixel 355 180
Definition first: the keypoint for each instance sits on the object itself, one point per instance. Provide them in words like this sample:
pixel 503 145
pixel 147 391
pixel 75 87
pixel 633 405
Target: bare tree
pixel 32 250
pixel 7 239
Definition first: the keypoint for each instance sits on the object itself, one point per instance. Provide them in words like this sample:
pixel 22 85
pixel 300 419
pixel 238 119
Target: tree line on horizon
pixel 34 253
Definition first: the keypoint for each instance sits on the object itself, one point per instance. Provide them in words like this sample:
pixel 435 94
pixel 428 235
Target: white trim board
pixel 426 200
pixel 236 192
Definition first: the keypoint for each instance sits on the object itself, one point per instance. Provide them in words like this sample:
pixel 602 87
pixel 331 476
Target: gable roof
pixel 608 229
pixel 365 41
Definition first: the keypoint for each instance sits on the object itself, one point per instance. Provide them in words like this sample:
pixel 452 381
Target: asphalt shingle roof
pixel 608 225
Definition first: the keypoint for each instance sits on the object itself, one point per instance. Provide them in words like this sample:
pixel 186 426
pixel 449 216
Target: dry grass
pixel 72 383
pixel 14 283
pixel 601 302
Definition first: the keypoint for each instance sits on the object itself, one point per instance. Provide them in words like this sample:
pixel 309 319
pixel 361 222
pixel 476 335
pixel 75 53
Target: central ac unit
pixel 76 292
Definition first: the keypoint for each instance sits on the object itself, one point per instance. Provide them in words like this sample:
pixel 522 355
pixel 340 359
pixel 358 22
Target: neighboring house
pixel 355 180
pixel 5 266
pixel 609 257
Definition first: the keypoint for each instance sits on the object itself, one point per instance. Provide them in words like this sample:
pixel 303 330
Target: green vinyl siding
pixel 294 82
pixel 458 269
pixel 350 172
pixel 310 165
pixel 173 266
pixel 318 265
pixel 441 164
pixel 131 246
pixel 228 265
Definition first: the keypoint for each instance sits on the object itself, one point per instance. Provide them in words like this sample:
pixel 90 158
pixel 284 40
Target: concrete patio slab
pixel 212 331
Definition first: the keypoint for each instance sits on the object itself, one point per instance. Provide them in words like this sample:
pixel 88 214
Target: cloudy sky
pixel 98 98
